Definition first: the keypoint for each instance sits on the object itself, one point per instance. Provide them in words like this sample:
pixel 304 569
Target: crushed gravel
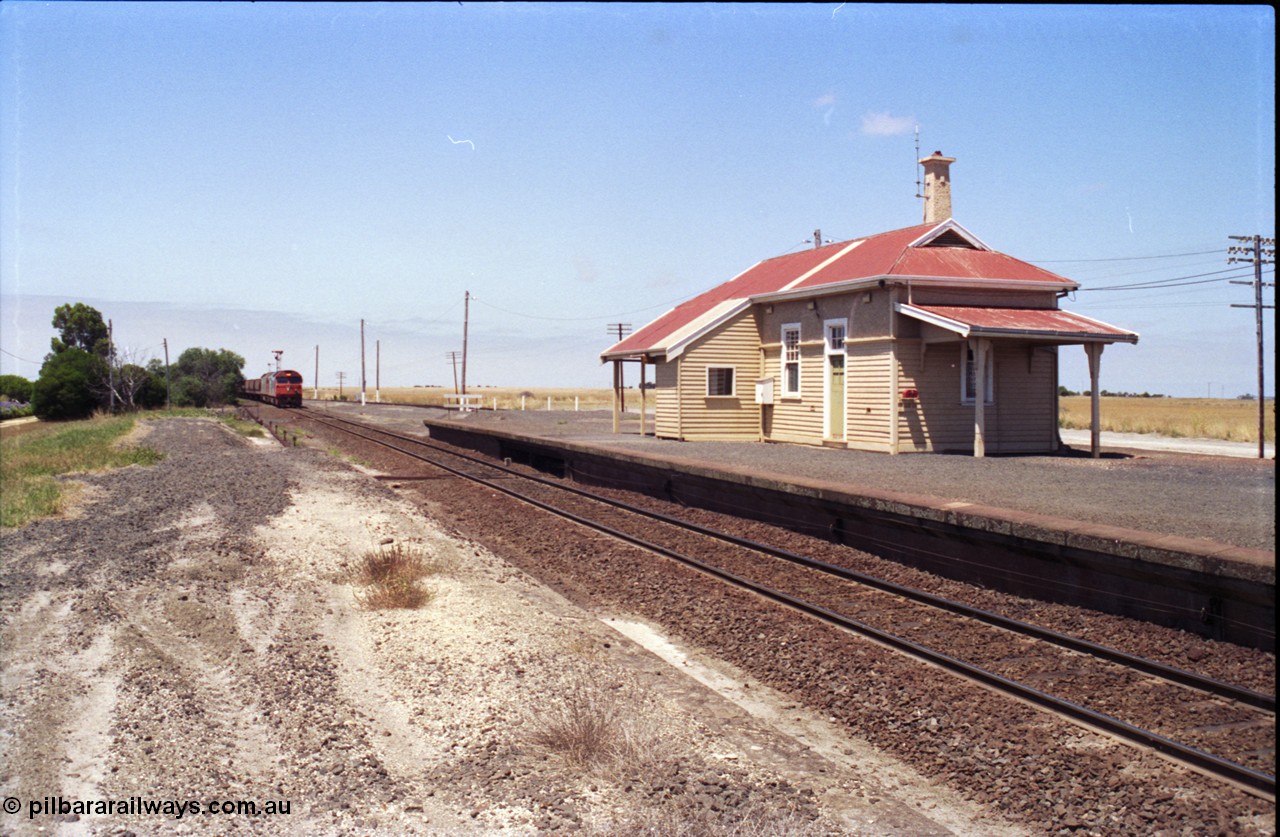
pixel 191 634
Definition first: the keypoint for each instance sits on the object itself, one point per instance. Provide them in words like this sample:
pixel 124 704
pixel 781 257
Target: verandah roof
pixel 1051 325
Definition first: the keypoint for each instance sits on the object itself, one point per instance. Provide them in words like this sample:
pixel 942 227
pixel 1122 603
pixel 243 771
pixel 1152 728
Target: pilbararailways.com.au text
pixel 138 806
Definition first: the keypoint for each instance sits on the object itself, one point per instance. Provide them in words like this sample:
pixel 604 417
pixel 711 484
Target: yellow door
pixel 835 394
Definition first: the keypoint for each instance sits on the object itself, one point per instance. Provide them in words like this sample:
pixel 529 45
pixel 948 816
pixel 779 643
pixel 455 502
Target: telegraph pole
pixel 466 317
pixel 1257 251
pixel 362 379
pixel 168 403
pixel 315 386
pixel 453 357
pixel 377 371
pixel 341 377
pixel 111 363
pixel 621 330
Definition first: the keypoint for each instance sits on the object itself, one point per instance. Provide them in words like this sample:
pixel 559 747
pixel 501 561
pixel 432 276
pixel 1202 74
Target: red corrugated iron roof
pixel 1050 323
pixel 898 253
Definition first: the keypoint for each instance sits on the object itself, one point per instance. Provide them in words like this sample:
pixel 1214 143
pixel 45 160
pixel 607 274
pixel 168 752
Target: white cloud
pixel 826 100
pixel 886 125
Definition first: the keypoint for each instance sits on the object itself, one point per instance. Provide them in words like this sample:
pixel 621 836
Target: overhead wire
pixel 1128 258
pixel 23 359
pixel 583 319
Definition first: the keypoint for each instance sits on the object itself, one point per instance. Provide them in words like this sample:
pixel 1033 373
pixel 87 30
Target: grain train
pixel 283 388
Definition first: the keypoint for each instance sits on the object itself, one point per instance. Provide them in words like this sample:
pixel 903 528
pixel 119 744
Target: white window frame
pixel 733 381
pixel 965 363
pixel 787 391
pixel 830 326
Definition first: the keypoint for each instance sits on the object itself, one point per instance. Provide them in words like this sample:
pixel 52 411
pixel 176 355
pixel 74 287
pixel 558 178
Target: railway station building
pixel 922 339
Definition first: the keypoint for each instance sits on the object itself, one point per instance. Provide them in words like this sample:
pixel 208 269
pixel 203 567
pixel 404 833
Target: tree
pixel 205 377
pixel 139 389
pixel 14 388
pixel 66 386
pixel 80 327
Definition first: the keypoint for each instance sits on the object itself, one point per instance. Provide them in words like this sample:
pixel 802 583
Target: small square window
pixel 719 381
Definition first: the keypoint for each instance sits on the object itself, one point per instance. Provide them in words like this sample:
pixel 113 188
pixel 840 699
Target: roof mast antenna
pixel 919 190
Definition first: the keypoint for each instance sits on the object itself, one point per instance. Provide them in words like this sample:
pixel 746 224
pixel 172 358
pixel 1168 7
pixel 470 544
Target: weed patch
pixel 598 725
pixel 391 578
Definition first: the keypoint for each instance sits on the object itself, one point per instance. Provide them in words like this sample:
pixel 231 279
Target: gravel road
pixel 188 635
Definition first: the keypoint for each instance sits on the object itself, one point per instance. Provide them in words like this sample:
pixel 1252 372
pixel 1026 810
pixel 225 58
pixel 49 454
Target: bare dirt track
pixel 189 637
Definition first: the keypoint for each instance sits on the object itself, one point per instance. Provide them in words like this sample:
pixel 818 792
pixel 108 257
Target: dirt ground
pixel 189 637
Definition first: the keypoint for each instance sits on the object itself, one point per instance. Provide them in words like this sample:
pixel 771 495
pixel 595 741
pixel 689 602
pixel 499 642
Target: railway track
pixel 1216 728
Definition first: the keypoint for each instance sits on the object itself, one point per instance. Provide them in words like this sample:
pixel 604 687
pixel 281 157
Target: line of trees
pixel 83 373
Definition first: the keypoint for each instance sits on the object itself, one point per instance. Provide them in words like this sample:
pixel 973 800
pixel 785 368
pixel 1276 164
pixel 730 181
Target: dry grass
pixel 599 724
pixel 506 398
pixel 391 578
pixel 1199 418
pixel 753 820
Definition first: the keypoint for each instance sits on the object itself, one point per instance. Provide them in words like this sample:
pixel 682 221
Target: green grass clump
pixel 30 460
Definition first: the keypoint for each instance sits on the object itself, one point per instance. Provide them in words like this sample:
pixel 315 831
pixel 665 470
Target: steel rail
pixel 1261 783
pixel 1168 673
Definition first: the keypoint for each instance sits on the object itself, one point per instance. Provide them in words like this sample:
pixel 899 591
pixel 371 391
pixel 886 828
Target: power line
pixel 1158 283
pixel 23 359
pixel 581 319
pixel 1125 258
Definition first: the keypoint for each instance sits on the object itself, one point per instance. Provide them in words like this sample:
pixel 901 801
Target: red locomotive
pixel 283 388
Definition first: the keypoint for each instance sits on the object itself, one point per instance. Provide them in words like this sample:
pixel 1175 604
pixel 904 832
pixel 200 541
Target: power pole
pixel 362 380
pixel 342 376
pixel 1257 251
pixel 168 403
pixel 377 371
pixel 315 386
pixel 466 317
pixel 453 356
pixel 622 330
pixel 111 363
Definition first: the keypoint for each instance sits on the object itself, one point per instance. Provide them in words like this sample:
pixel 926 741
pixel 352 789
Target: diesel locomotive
pixel 282 388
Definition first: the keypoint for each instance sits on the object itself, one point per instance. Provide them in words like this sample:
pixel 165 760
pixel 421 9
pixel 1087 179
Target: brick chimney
pixel 937 187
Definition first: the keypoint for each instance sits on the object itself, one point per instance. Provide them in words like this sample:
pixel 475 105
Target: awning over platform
pixel 1047 324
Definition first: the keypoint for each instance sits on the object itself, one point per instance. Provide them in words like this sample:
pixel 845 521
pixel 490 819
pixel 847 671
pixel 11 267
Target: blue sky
pixel 263 176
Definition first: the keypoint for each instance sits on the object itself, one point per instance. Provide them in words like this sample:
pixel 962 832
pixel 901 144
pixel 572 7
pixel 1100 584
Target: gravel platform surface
pixel 1227 500
pixel 189 635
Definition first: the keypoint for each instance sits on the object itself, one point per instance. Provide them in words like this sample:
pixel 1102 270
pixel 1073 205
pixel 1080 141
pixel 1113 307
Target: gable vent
pixel 951 238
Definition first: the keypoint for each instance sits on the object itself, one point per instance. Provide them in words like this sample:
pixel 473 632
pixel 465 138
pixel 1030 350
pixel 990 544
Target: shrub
pixel 65 389
pixel 15 388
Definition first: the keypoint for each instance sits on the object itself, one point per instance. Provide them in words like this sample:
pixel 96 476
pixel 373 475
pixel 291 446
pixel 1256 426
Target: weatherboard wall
pixel 732 417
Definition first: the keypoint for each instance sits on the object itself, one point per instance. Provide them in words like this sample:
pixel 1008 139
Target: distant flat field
pixel 1196 418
